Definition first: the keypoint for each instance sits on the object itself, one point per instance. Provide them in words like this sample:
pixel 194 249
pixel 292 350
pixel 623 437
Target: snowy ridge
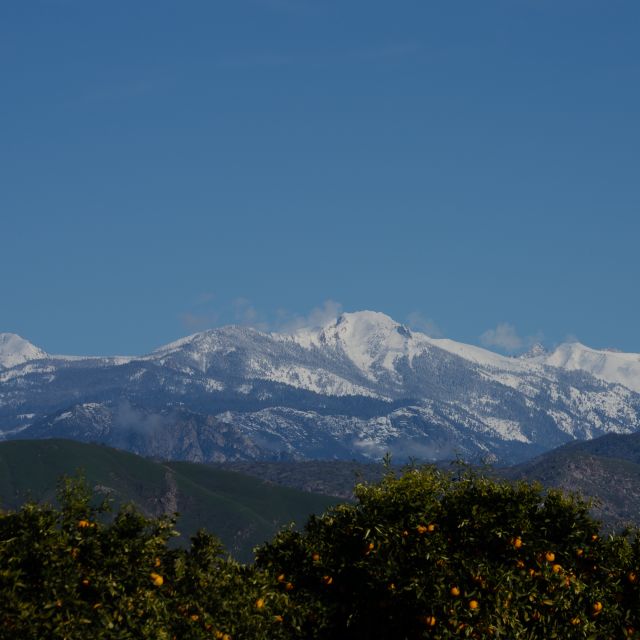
pixel 15 350
pixel 612 366
pixel 483 357
pixel 357 387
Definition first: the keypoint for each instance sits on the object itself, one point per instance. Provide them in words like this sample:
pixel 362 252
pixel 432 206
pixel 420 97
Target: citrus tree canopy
pixel 423 554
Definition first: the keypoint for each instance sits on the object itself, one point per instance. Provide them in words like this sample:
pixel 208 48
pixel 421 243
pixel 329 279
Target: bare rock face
pixel 169 499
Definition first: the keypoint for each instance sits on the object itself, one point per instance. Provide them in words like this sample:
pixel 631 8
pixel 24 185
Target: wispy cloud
pixel 199 321
pixel 505 338
pixel 205 298
pixel 416 320
pixel 247 315
pixel 201 315
pixel 318 317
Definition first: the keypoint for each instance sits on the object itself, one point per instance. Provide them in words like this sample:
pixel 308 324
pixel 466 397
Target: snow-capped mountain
pixel 357 387
pixel 15 350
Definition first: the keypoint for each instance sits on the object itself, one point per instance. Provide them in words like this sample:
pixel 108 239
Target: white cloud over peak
pixel 506 338
pixel 318 317
pixel 416 320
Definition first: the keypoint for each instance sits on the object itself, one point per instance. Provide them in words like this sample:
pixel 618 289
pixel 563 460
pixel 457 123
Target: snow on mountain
pixel 358 386
pixel 481 356
pixel 611 366
pixel 15 350
pixel 370 339
pixel 374 342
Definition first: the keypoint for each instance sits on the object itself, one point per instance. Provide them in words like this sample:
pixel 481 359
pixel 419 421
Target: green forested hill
pixel 242 511
pixel 605 469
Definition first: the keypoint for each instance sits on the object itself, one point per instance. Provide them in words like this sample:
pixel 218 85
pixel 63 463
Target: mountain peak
pixel 536 351
pixel 367 321
pixel 15 350
pixel 368 338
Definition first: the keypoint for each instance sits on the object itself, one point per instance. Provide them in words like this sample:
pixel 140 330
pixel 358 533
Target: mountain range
pixel 354 389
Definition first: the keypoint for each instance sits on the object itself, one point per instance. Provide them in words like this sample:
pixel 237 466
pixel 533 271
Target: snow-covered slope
pixel 612 366
pixel 15 350
pixel 357 387
pixel 372 341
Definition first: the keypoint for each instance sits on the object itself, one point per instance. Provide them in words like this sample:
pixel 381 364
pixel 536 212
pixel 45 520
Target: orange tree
pixel 428 554
pixel 70 573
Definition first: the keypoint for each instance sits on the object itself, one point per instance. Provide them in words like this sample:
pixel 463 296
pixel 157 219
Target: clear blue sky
pixel 170 166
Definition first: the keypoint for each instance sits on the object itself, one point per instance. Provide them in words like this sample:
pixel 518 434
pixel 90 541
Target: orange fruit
pixel 556 568
pixel 281 577
pixel 632 577
pixel 473 604
pixel 421 529
pixel 288 586
pixel 157 579
pixel 596 607
pixel 327 580
pixel 455 592
pixel 579 552
pixel 517 542
pixel 430 621
pixel 316 557
pixel 550 556
pixel 431 528
pixel 259 603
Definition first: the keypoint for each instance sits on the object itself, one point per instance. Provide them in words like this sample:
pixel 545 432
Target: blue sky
pixel 470 167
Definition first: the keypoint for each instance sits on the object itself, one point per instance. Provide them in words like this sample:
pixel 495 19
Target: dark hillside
pixel 605 469
pixel 242 511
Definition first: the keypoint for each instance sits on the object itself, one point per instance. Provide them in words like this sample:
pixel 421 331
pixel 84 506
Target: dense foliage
pixel 425 554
